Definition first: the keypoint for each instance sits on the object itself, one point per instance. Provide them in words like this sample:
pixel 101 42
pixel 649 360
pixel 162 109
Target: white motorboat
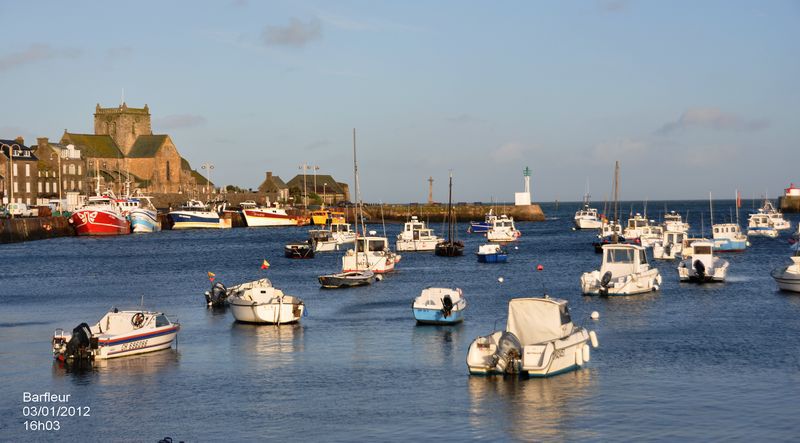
pixel 703 266
pixel 341 233
pixel 728 237
pixel 415 236
pixel 586 217
pixel 650 234
pixel 439 306
pixel 761 224
pixel 624 271
pixel 775 216
pixel 322 240
pixel 502 230
pixel 674 222
pixel 371 253
pixel 117 334
pixel 259 302
pixel 539 340
pixel 670 246
pixel 788 277
pixel 635 228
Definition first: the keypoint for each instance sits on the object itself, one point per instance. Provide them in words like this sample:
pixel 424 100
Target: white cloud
pixel 35 53
pixel 711 118
pixel 296 34
pixel 509 152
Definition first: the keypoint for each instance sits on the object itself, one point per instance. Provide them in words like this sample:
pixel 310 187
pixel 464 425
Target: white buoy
pixel 500 279
pixel 379 277
pixel 595 315
pixel 516 247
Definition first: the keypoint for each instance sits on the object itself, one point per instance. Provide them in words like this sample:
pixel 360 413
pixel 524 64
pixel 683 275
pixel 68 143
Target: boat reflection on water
pixel 437 344
pixel 108 371
pixel 270 346
pixel 537 409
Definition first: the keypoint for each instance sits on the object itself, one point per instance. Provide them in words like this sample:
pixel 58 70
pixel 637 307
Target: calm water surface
pixel 717 362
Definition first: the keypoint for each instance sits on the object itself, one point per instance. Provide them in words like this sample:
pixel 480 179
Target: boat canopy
pixel 622 259
pixel 538 320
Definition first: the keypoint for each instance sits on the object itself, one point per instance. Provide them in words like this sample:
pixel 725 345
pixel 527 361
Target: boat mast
pixel 359 206
pixel 450 211
pixel 711 210
pixel 614 236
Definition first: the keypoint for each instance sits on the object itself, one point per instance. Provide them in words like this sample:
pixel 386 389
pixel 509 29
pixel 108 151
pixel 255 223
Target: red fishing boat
pixel 100 216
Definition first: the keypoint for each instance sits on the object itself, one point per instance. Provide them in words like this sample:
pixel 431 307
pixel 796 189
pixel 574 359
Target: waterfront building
pixel 71 175
pixel 19 173
pixel 325 186
pixel 123 147
pixel 274 188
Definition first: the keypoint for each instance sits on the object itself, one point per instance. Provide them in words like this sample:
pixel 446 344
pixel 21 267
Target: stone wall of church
pixel 167 171
pixel 123 124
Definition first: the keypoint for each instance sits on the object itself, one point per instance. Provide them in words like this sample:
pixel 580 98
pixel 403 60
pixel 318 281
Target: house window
pixel 80 185
pixel 72 184
pixel 40 187
pixel 72 169
pixel 64 169
pixel 15 172
pixel 167 170
pixel 27 169
pixel 79 169
pixel 64 185
pixel 28 187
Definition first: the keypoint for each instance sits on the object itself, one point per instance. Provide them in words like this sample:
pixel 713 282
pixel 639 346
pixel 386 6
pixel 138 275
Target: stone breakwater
pixel 14 230
pixel 438 212
pixel 789 204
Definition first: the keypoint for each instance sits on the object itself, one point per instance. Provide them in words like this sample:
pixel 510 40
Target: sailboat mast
pixel 616 201
pixel 359 205
pixel 450 211
pixel 711 209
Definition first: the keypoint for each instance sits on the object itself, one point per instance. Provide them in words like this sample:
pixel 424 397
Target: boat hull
pixel 195 220
pixel 762 232
pixel 133 344
pixel 479 227
pixel 90 222
pixel 585 223
pixel 416 245
pixel 455 249
pixel 786 281
pixel 259 218
pixel 492 258
pixel 436 317
pixel 379 263
pixel 726 245
pixel 298 251
pixel 346 281
pixel 266 313
pixel 143 221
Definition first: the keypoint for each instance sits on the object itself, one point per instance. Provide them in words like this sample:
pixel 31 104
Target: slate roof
pixel 324 182
pixel 102 146
pixel 28 152
pixel 273 184
pixel 147 146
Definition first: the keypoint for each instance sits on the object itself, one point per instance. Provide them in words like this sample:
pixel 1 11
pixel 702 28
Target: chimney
pixel 42 142
pixel 269 175
pixel 20 140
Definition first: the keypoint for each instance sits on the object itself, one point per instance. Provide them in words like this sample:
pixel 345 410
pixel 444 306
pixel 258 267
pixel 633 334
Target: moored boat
pixel 259 302
pixel 788 277
pixel 416 236
pixel 194 214
pixel 482 227
pixel 674 222
pixel 275 215
pixel 100 216
pixel 760 224
pixel 439 306
pixel 624 271
pixel 586 217
pixel 670 246
pixel 491 253
pixel 371 253
pixel 144 217
pixel 728 237
pixel 503 230
pixel 117 334
pixel 539 340
pixel 702 266
pixel 347 279
pixel 450 247
pixel 299 249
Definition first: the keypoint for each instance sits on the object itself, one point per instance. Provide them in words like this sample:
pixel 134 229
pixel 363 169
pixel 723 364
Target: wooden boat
pixel 450 247
pixel 347 279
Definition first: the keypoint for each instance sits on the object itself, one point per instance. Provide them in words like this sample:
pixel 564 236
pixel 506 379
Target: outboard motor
pixel 668 249
pixel 217 295
pixel 700 269
pixel 447 306
pixel 509 351
pixel 80 344
pixel 604 282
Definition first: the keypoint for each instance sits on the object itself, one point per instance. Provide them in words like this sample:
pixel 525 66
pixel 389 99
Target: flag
pixel 738 199
pixel 265 264
pixel 211 276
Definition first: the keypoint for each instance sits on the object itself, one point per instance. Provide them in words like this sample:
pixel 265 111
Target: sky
pixel 691 97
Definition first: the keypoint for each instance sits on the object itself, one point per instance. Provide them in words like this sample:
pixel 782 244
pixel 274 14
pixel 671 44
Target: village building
pixel 329 190
pixel 123 148
pixel 53 156
pixel 20 168
pixel 274 188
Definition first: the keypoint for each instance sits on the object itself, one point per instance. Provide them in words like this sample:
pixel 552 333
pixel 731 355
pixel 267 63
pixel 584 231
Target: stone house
pixel 20 168
pixel 324 186
pixel 274 188
pixel 72 174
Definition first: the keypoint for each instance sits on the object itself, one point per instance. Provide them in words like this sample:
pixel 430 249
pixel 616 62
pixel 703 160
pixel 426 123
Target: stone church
pixel 123 146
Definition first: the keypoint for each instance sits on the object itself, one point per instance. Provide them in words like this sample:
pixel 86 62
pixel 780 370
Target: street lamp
pixel 60 209
pixel 208 167
pixel 11 172
pixel 304 167
pixel 324 199
pixel 316 168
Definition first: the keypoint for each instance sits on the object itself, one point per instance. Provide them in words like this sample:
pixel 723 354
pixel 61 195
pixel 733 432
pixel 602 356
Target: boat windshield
pixel 702 250
pixel 162 320
pixel 373 245
pixel 619 256
pixel 565 317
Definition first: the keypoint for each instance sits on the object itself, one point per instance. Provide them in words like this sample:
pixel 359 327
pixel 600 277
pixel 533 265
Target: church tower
pixel 123 124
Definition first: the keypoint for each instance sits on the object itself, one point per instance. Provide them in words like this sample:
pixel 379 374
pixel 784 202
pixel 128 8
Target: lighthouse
pixel 524 198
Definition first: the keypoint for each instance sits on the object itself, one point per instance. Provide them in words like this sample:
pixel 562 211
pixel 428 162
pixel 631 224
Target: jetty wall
pixel 438 212
pixel 789 204
pixel 14 230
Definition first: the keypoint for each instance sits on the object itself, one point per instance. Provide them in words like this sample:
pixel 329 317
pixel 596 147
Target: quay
pixel 14 230
pixel 789 203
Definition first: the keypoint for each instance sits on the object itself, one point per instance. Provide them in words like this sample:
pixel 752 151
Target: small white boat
pixel 728 237
pixel 788 277
pixel 624 271
pixel 674 222
pixel 635 228
pixel 259 302
pixel 503 230
pixel 415 236
pixel 586 217
pixel 341 233
pixel 651 234
pixel 760 224
pixel 322 240
pixel 372 253
pixel 670 246
pixel 439 306
pixel 775 216
pixel 703 266
pixel 539 340
pixel 117 334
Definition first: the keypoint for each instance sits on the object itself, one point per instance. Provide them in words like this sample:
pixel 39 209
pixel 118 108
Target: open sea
pixel 703 363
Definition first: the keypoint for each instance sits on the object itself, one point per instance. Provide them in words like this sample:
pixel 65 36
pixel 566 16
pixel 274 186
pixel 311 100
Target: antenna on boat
pixel 711 210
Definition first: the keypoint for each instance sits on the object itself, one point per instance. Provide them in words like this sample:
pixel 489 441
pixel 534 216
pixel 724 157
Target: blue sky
pixel 690 96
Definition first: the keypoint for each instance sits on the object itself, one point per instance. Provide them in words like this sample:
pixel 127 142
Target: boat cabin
pixel 586 212
pixel 760 220
pixel 340 227
pixel 673 237
pixel 372 244
pixel 194 205
pixel 638 222
pixel 623 259
pixel 503 222
pixel 727 230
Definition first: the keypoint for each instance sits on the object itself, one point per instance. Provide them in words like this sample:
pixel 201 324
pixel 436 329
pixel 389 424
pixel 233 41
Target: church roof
pixel 185 164
pixel 146 146
pixel 200 178
pixel 102 146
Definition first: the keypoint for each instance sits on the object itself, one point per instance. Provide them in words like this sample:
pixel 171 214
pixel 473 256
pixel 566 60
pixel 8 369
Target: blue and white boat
pixel 491 253
pixel 439 306
pixel 728 237
pixel 484 226
pixel 144 218
pixel 195 215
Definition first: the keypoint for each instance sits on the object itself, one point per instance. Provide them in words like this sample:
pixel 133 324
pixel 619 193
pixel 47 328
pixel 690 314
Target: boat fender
pixel 593 339
pixel 137 320
pixel 578 357
pixel 586 353
pixel 379 277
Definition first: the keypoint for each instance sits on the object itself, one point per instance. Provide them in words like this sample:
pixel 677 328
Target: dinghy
pixel 117 334
pixel 539 340
pixel 439 306
pixel 347 279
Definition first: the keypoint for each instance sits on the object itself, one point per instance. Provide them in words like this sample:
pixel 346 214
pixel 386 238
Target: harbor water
pixel 690 362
